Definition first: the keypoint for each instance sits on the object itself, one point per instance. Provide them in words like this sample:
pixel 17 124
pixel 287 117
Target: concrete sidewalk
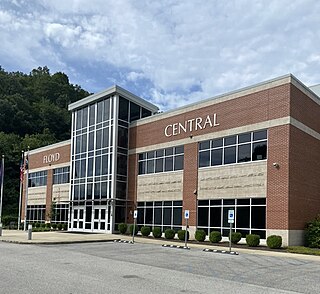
pixel 64 237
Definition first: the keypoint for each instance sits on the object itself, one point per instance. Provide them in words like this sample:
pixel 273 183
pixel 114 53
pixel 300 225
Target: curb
pixel 176 246
pixel 56 242
pixel 123 241
pixel 221 251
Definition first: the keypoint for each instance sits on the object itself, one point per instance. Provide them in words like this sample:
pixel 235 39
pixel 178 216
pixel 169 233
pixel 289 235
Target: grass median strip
pixel 303 250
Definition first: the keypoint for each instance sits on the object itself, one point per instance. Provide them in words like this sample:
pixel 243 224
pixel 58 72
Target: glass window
pixel 168 164
pixel 91 141
pixel 122 137
pixel 216 157
pixel 258 201
pixel 159 165
pixel 145 112
pixel 243 138
pixel 203 216
pixel 92 109
pixel 106 110
pixel 204 145
pixel 178 162
pixel 123 109
pixel 260 135
pixel 217 143
pixel 243 217
pixel 134 111
pixel 167 216
pixel 229 155
pixel 177 216
pixel 150 166
pixel 230 140
pixel 179 150
pixel 149 216
pixel 162 160
pixel 215 216
pixel 258 217
pixel 244 153
pixel 99 139
pixel 259 150
pixel 99 111
pixel 158 216
pixel 122 164
pixel 121 190
pixel 142 167
pixel 140 218
pixel 204 158
pixel 160 153
pixel 169 151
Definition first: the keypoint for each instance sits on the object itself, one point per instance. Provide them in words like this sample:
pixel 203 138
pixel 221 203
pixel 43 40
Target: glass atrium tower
pixel 99 158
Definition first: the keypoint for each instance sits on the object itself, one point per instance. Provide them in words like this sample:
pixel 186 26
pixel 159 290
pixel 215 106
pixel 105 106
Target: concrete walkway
pixel 61 237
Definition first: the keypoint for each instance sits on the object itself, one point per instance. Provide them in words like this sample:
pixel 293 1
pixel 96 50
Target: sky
pixel 169 52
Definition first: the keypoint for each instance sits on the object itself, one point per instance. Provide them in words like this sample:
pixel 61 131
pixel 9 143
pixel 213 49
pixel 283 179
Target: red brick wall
pixel 36 161
pixel 304 109
pixel 190 182
pixel 49 194
pixel 304 202
pixel 132 185
pixel 278 178
pixel 249 109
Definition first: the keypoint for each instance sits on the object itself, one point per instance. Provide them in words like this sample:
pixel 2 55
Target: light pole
pixel 21 187
pixel 27 187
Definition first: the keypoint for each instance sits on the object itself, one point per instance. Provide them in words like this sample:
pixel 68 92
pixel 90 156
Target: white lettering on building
pixel 51 157
pixel 190 125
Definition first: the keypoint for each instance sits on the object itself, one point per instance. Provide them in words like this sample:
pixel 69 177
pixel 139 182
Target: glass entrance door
pixel 77 218
pixel 99 219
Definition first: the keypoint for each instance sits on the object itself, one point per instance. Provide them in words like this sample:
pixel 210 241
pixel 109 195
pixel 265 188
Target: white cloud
pixel 184 50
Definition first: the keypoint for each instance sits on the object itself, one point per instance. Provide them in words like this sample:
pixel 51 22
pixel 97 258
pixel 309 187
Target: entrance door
pixel 77 218
pixel 99 219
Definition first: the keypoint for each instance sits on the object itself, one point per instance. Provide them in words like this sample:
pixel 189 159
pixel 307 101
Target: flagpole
pixel 27 186
pixel 2 177
pixel 21 187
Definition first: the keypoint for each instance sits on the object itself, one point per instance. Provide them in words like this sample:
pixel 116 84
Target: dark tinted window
pixel 123 109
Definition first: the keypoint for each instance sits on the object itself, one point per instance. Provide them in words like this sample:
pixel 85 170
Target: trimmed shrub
pixel 182 235
pixel 253 240
pixel 59 226
pixel 135 228
pixel 37 225
pixel 48 225
pixel 200 235
pixel 274 242
pixel 169 234
pixel 122 228
pixel 42 225
pixel 235 237
pixel 145 231
pixel 54 226
pixel 156 232
pixel 65 227
pixel 8 219
pixel 312 233
pixel 215 237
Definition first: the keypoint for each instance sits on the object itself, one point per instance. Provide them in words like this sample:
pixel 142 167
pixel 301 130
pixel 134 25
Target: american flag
pixel 21 171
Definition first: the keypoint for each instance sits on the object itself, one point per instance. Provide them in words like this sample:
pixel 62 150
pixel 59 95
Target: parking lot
pixel 149 268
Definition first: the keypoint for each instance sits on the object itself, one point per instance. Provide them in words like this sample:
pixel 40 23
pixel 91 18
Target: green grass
pixel 303 250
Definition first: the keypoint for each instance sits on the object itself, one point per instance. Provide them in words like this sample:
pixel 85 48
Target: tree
pixel 33 112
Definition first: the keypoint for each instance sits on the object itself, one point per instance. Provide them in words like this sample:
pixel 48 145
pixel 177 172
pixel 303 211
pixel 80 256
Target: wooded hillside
pixel 33 112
